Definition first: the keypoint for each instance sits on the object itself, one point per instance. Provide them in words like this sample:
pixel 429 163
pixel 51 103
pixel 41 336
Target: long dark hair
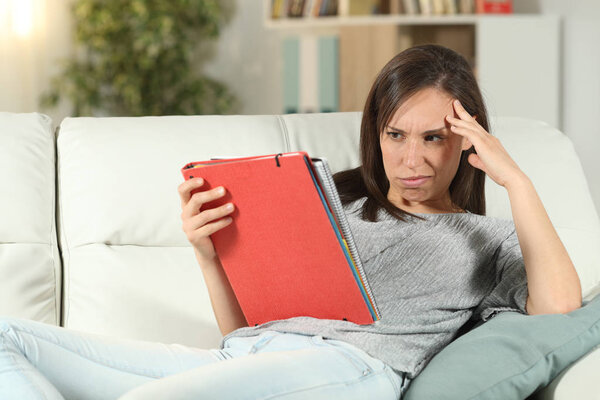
pixel 414 69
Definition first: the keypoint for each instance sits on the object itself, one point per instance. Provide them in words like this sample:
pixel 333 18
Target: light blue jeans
pixel 40 361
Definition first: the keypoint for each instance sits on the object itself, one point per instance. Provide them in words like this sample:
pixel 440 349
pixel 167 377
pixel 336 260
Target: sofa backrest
pixel 30 267
pixel 128 267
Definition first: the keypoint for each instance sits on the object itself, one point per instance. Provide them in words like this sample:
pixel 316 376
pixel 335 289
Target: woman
pixel 433 260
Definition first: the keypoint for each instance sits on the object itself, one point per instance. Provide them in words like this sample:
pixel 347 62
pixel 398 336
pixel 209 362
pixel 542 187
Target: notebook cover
pixel 280 253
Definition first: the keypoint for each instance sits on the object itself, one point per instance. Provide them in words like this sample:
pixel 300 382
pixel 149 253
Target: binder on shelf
pixel 291 75
pixel 308 73
pixel 328 85
pixel 289 250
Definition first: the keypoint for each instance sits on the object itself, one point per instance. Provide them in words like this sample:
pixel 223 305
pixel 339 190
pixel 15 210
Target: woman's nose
pixel 414 155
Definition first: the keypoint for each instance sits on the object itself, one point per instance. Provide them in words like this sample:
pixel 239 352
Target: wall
pixel 32 44
pixel 581 83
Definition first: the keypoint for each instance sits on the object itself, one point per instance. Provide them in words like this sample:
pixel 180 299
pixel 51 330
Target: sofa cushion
pixel 129 269
pixel 510 356
pixel 30 268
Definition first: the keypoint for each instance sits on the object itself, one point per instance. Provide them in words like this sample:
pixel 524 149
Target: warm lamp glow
pixel 22 16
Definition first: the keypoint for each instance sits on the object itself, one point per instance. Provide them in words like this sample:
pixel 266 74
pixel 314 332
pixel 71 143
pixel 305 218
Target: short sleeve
pixel 510 291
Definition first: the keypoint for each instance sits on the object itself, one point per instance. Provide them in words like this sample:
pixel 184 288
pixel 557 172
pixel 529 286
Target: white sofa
pixel 90 232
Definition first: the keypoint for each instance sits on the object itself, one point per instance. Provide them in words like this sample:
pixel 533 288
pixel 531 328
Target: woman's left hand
pixel 491 156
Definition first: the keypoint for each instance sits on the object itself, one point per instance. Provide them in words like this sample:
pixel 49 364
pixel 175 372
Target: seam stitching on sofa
pixel 57 303
pixel 285 132
pixel 593 325
pixel 128 244
pixel 64 309
pixel 25 242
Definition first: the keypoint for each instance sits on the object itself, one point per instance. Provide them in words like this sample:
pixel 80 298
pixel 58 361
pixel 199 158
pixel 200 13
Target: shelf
pixel 381 19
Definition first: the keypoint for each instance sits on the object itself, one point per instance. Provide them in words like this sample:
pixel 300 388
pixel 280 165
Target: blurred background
pixel 159 57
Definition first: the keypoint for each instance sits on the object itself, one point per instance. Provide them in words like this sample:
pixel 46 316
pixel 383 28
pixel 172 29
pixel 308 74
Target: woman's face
pixel 421 154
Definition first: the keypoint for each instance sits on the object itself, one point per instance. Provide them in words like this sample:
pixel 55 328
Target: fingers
pixel 191 203
pixel 460 110
pixel 466 125
pixel 463 128
pixel 200 224
pixel 209 229
pixel 186 187
pixel 209 221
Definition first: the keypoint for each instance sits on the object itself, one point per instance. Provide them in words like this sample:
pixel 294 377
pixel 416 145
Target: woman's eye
pixel 395 135
pixel 433 138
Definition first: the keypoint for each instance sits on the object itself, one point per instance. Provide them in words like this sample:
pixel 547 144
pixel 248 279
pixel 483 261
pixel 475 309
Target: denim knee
pixel 6 325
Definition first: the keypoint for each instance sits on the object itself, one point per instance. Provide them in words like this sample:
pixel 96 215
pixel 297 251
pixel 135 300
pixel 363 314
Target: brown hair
pixel 414 69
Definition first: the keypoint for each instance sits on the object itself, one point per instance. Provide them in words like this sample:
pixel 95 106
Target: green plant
pixel 142 57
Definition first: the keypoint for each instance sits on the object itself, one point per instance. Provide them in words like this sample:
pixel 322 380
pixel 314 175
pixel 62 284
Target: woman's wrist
pixel 518 182
pixel 206 262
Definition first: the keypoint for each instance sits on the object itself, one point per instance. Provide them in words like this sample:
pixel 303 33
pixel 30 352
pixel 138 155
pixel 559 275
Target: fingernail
pixel 229 207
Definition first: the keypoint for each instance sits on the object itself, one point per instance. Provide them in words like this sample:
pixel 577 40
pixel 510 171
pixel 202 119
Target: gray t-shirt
pixel 428 279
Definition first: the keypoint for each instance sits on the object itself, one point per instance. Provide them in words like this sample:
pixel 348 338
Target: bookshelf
pixel 305 23
pixel 516 57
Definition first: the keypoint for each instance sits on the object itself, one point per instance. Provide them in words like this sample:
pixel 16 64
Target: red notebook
pixel 283 254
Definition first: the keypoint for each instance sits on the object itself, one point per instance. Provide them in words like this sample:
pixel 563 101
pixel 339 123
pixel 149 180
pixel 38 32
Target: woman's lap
pixel 272 365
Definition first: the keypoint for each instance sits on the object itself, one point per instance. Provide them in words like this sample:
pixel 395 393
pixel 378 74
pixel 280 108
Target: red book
pixel 494 6
pixel 283 253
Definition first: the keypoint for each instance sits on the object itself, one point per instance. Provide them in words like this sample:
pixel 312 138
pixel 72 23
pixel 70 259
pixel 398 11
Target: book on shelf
pixel 396 7
pixel 288 251
pixel 494 6
pixel 319 8
pixel 425 7
pixel 295 8
pixel 466 6
pixel 365 7
pixel 411 7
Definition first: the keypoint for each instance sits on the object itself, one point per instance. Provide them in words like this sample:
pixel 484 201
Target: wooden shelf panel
pixel 382 19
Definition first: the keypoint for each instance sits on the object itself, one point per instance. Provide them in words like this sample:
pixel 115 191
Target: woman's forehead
pixel 428 106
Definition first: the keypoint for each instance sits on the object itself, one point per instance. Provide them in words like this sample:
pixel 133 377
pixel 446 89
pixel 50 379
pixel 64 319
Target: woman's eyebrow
pixel 424 133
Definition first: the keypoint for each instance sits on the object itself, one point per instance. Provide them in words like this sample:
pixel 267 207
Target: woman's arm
pixel 198 226
pixel 224 303
pixel 552 281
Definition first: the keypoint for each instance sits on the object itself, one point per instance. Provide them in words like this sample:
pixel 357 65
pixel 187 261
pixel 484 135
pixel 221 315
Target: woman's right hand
pixel 199 225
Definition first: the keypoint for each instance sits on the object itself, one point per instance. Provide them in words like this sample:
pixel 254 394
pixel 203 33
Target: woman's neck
pixel 441 206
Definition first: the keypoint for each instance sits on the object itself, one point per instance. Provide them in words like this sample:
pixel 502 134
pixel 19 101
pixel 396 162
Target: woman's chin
pixel 409 198
pixel 415 195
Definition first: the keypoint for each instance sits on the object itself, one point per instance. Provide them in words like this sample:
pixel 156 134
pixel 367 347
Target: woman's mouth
pixel 414 181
